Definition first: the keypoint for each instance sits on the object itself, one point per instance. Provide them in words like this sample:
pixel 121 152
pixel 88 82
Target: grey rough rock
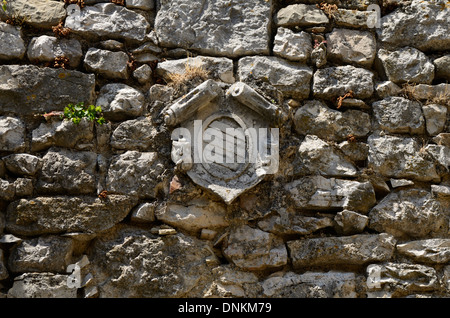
pixel 317 156
pixel 350 222
pixel 387 88
pixel 22 164
pixel 351 47
pixel 319 193
pixel 41 285
pixel 435 117
pixel 399 115
pixel 196 215
pixel 440 190
pixel 300 15
pixel 355 151
pixel 442 65
pixel 346 4
pixel 311 285
pixel 442 139
pixel 12 45
pixel 440 153
pixel 64 214
pixel 423 25
pixel 120 101
pixel 429 92
pixel 217 68
pixel 41 254
pixel 37 13
pixel 397 157
pixel 8 190
pixel 290 78
pixel 292 46
pixel 12 134
pixel 319 55
pixel 30 90
pixel 353 18
pixel 315 118
pixel 215 27
pixel 3 270
pixel 407 65
pixel 357 249
pixel 436 251
pixel 143 74
pixel 24 187
pixel 253 249
pixel 46 48
pixel 397 183
pixel 110 64
pixel 411 212
pixel 135 173
pixel 135 134
pixel 141 4
pixel 66 171
pixel 131 262
pixel 332 82
pixel 107 20
pixel 143 213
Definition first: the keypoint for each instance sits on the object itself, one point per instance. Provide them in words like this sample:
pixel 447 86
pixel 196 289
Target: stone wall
pixel 360 204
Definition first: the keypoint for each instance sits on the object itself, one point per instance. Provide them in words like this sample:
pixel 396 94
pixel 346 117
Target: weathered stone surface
pixel 107 20
pixel 143 213
pixel 316 118
pixel 300 15
pixel 442 67
pixel 22 164
pixel 332 82
pixel 423 24
pixel 397 183
pixel 143 74
pixel 442 139
pixel 47 48
pixel 356 151
pixel 411 212
pixel 311 285
pixel 135 173
pixel 290 78
pixel 62 214
pixel 354 18
pixel 428 251
pixel 198 214
pixel 65 171
pixel 399 115
pixel 12 134
pixel 3 271
pixel 440 153
pixel 136 134
pixel 426 92
pixel 41 285
pixel 131 262
pixel 351 46
pixel 292 46
pixel 350 222
pixel 140 4
pixel 387 88
pixel 7 190
pixel 407 65
pixel 215 27
pixel 436 117
pixel 319 193
pixel 346 4
pixel 12 45
pixel 398 157
pixel 24 187
pixel 120 101
pixel 348 250
pixel 253 249
pixel 440 190
pixel 107 63
pixel 30 90
pixel 37 13
pixel 41 254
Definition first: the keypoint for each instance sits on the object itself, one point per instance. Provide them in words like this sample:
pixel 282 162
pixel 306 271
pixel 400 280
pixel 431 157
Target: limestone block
pixel 436 251
pixel 22 164
pixel 292 46
pixel 120 101
pixel 12 134
pixel 46 48
pixel 12 45
pixel 110 64
pixel 436 117
pixel 300 15
pixel 41 285
pixel 351 47
pixel 135 134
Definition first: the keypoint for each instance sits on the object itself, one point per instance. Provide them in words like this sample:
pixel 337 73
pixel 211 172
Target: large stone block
pixel 12 45
pixel 41 285
pixel 47 48
pixel 120 101
pixel 12 134
pixel 107 63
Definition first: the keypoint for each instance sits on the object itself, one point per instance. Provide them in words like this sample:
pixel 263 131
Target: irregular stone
pixel 65 171
pixel 3 270
pixel 387 88
pixel 399 115
pixel 143 213
pixel 440 190
pixel 143 74
pixel 41 254
pixel 62 214
pixel 253 249
pixel 357 249
pixel 316 118
pixel 120 101
pixel 24 187
pixel 332 82
pixel 319 193
pixel 355 151
pixel 217 68
pixel 440 153
pixel 442 139
pixel 140 4
pixel 397 157
pixel 317 156
pixel 350 222
pixel 47 48
pixel 435 93
pixel 407 65
pixel 354 18
pixel 12 134
pixel 300 15
pixel 422 24
pixel 290 78
pixel 107 20
pixel 319 55
pixel 292 46
pixel 442 66
pixel 436 117
pixel 411 212
pixel 36 13
pixel 8 190
pixel 107 63
pixel 30 90
pixel 22 164
pixel 397 183
pixel 435 251
pixel 346 4
pixel 135 173
pixel 41 285
pixel 351 47
pixel 136 134
pixel 217 27
pixel 12 45
pixel 311 285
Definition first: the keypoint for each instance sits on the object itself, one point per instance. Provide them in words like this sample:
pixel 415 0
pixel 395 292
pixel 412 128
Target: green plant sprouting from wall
pixel 4 3
pixel 79 111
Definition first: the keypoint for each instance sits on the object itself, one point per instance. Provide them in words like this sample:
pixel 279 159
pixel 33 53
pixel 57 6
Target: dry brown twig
pixel 328 9
pixel 341 98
